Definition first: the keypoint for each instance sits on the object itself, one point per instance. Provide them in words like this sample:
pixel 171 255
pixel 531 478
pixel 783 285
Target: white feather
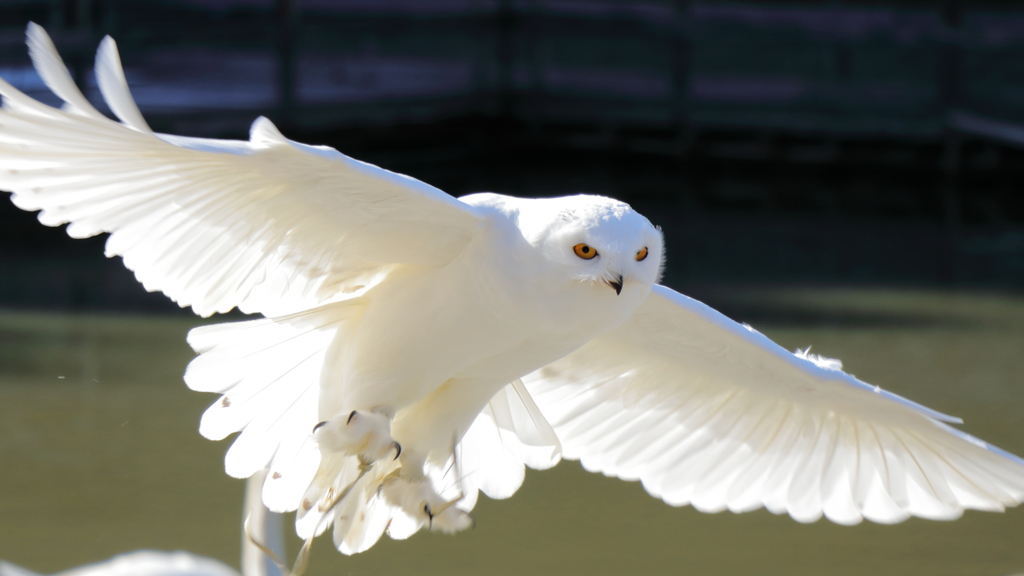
pixel 114 86
pixel 267 371
pixel 509 434
pixel 51 69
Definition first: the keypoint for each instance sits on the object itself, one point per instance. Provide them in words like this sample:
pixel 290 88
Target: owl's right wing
pixel 708 412
pixel 268 225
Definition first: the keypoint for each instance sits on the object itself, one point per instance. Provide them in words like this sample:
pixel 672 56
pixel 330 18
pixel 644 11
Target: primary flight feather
pixel 418 349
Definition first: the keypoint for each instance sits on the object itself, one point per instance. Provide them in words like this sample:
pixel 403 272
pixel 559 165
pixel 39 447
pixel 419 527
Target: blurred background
pixel 847 174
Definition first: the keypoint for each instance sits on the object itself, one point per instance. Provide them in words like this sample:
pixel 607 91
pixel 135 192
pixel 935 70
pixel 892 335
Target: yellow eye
pixel 584 251
pixel 641 254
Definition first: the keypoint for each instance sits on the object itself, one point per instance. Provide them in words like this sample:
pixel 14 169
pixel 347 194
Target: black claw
pixel 319 424
pixel 350 417
pixel 398 449
pixel 430 515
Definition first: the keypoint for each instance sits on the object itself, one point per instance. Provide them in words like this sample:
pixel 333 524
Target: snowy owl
pixel 417 349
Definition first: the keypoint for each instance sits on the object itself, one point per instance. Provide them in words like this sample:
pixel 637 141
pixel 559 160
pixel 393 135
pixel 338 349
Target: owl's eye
pixel 584 251
pixel 641 254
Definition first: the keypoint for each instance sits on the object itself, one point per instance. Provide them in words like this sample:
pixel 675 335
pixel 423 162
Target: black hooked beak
pixel 616 284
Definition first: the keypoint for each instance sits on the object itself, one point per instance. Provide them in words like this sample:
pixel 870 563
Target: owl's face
pixel 602 242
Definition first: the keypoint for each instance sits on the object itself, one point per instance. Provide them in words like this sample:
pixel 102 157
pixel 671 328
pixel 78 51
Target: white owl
pixel 418 348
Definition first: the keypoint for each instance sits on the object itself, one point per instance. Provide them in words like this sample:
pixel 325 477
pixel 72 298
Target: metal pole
pixel 951 93
pixel 681 63
pixel 287 12
pixel 505 55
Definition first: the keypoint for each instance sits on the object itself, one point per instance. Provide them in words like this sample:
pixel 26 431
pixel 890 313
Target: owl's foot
pixel 420 502
pixel 365 434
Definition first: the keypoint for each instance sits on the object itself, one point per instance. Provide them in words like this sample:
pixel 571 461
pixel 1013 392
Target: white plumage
pixel 418 349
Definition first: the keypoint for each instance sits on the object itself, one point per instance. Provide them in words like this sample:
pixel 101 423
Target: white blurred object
pixel 140 563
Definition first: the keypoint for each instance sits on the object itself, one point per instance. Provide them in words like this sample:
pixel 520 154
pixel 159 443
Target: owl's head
pixel 597 240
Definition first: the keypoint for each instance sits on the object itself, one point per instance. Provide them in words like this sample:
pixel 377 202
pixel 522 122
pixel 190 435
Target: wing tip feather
pixel 55 74
pixel 114 86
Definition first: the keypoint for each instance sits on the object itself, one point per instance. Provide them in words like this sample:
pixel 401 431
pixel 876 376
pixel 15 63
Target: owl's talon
pixel 365 434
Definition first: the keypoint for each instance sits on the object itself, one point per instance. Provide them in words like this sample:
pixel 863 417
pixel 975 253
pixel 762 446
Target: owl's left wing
pixel 708 412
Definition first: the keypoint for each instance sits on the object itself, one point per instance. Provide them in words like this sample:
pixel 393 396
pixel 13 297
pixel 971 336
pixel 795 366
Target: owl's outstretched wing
pixel 268 225
pixel 708 412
